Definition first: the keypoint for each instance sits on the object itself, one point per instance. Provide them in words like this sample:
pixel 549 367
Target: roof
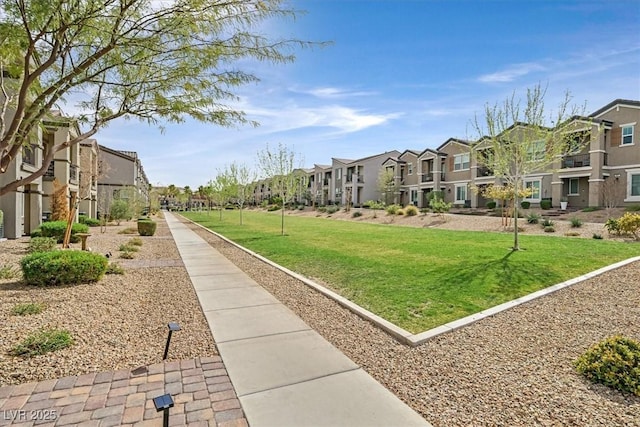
pixel 615 103
pixel 396 152
pixel 453 140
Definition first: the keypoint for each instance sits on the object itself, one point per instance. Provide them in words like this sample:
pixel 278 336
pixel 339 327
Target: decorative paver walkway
pixel 200 387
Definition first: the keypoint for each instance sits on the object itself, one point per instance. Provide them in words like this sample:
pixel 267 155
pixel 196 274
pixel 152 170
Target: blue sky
pixel 401 74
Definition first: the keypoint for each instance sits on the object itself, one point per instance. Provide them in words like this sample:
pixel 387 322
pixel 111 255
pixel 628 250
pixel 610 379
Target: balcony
pixel 73 174
pixel 427 177
pixel 578 161
pixel 325 182
pixel 484 171
pixel 50 174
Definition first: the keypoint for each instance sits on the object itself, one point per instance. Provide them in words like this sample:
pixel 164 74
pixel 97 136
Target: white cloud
pixel 334 92
pixel 511 73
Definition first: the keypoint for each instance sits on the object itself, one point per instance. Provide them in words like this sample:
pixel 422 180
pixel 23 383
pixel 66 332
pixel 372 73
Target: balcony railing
pixel 577 161
pixel 427 177
pixel 50 174
pixel 73 173
pixel 325 182
pixel 484 171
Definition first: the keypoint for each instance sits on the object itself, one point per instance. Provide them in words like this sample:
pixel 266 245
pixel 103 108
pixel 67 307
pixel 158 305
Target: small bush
pixel 128 230
pixel 136 241
pixel 57 229
pixel 147 227
pixel 549 229
pixel 571 234
pixel 43 341
pixel 356 214
pixel 128 248
pixel 547 223
pixel 612 226
pixel 91 222
pixel 126 255
pixel 632 208
pixel 591 209
pixel 629 223
pixel 332 209
pixel 36 233
pixel 614 362
pixel 27 308
pixel 114 268
pixel 411 210
pixel 400 212
pixel 545 204
pixel 322 209
pixel 62 267
pixel 525 204
pixel 273 208
pixel 8 272
pixel 576 222
pixel 42 244
pixel 597 236
pixel 392 209
pixel 533 218
pixel 491 205
pixel 300 207
pixel 439 206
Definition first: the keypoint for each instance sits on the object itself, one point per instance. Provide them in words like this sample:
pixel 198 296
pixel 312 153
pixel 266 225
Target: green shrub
pixel 392 209
pixel 332 209
pixel 114 268
pixel 36 233
pixel 533 218
pixel 549 229
pixel 91 222
pixel 119 211
pixel 43 341
pixel 435 195
pixel 614 362
pixel 439 206
pixel 128 248
pixel 322 209
pixel 400 212
pixel 128 230
pixel 356 214
pixel 147 227
pixel 632 208
pixel 547 223
pixel 62 267
pixel 411 210
pixel 545 204
pixel 576 222
pixel 597 236
pixel 136 241
pixel 8 272
pixel 264 204
pixel 525 204
pixel 126 255
pixel 612 226
pixel 591 209
pixel 491 204
pixel 300 207
pixel 629 223
pixel 56 229
pixel 27 308
pixel 42 244
pixel 273 208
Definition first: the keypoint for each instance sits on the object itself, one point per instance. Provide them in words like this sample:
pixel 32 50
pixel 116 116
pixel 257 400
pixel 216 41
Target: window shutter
pixel 616 136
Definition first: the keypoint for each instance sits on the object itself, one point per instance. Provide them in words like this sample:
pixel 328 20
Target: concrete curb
pixel 403 335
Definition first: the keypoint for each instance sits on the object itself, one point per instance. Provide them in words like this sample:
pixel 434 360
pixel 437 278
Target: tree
pixel 279 167
pixel 517 139
pixel 150 60
pixel 387 185
pixel 241 179
pixel 59 202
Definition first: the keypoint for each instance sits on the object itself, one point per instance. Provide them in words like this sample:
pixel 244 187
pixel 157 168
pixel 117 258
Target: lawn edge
pixel 403 335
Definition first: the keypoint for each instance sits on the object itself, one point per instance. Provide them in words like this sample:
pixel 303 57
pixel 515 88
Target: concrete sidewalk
pixel 284 373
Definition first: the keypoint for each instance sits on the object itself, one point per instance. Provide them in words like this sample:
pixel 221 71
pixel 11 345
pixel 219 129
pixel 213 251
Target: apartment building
pixel 121 176
pixel 88 177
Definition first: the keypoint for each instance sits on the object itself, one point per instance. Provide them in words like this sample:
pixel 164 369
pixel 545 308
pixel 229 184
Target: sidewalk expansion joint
pixel 240 308
pixel 275 334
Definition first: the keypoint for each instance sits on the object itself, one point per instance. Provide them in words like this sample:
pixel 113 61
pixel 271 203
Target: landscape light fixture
pixel 163 403
pixel 173 326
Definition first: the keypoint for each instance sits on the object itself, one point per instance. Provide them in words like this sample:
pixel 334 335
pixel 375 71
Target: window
pixel 536 151
pixel 29 154
pixel 461 162
pixel 627 135
pixel 414 197
pixel 461 193
pixel 633 185
pixel 534 185
pixel 573 187
pixel 338 173
pixel 410 168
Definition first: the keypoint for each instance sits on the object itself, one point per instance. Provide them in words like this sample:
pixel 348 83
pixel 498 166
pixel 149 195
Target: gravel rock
pixel 118 323
pixel 511 369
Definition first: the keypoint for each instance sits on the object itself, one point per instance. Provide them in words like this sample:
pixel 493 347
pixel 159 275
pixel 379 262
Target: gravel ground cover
pixel 117 323
pixel 512 369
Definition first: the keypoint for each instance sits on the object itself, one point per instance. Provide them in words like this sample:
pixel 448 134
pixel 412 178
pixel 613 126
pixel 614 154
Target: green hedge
pixel 545 204
pixel 91 222
pixel 56 229
pixel 147 227
pixel 63 267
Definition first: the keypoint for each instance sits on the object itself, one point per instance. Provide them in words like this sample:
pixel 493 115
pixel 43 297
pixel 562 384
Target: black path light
pixel 163 403
pixel 173 326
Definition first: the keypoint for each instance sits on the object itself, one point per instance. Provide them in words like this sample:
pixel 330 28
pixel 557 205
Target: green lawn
pixel 416 278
